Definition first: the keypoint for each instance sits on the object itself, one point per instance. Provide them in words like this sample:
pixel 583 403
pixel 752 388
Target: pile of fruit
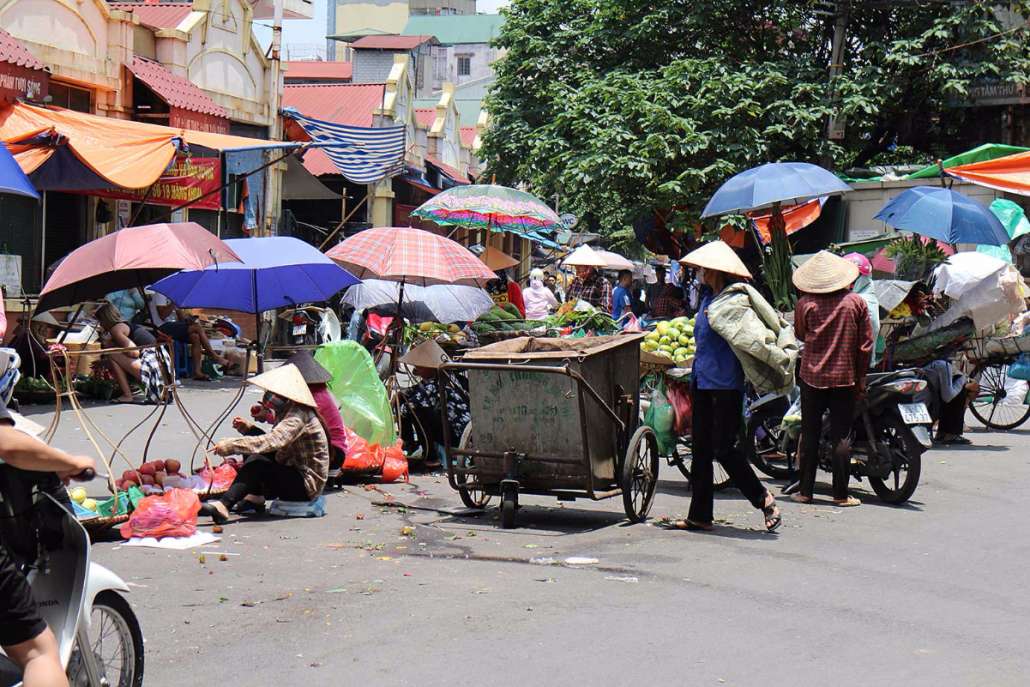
pixel 78 495
pixel 672 339
pixel 443 334
pixel 153 473
pixel 506 319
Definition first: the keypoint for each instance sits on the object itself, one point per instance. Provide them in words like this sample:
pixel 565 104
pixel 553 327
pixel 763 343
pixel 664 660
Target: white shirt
pixel 155 301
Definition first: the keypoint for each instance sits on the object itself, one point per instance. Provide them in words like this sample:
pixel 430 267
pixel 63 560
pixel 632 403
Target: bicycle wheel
pixel 720 479
pixel 1001 402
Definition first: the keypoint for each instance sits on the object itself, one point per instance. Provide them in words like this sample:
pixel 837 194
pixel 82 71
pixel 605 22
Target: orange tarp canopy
pixel 796 218
pixel 128 154
pixel 1010 173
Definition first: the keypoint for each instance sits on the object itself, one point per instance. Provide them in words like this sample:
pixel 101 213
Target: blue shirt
pixel 715 365
pixel 620 301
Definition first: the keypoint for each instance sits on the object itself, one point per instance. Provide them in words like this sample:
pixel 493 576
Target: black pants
pixel 714 433
pixel 263 476
pixel 951 419
pixel 840 401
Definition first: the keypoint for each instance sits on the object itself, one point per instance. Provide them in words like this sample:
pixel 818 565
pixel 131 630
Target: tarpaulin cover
pixel 1015 222
pixel 1010 173
pixel 987 151
pixel 364 405
pixel 796 218
pixel 123 153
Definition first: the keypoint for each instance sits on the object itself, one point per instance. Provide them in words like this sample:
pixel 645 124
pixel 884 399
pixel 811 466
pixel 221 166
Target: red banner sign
pixel 187 180
pixel 21 82
pixel 196 121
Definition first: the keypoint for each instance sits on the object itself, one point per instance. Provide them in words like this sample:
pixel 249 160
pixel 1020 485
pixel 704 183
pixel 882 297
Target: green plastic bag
pixel 661 417
pixel 364 406
pixel 107 507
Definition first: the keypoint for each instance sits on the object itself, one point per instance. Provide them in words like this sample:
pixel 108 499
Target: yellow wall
pixel 359 16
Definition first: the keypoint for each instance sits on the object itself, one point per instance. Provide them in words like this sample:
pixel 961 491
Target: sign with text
pixel 179 118
pixel 185 181
pixel 21 82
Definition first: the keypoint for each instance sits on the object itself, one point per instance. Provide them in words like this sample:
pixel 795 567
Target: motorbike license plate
pixel 915 414
pixel 300 329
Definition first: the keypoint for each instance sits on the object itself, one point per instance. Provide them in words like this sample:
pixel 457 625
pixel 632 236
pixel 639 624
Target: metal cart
pixel 554 417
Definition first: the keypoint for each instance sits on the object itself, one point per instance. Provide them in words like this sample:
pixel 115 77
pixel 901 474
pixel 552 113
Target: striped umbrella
pixel 488 206
pixel 410 256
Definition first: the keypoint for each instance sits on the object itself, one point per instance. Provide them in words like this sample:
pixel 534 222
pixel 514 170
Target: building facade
pixel 348 20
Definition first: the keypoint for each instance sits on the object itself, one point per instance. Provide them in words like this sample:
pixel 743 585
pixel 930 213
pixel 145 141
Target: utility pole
pixel 835 127
pixel 273 176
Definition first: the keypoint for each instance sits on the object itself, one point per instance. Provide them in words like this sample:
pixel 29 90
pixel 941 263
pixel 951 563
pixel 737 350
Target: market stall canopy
pixel 795 218
pixel 300 184
pixel 943 214
pixel 1010 173
pixel 493 207
pixel 274 272
pixel 614 261
pixel 130 258
pixel 68 150
pixel 496 259
pixel 12 178
pixel 1013 218
pixel 442 302
pixel 775 182
pixel 982 153
pixel 411 256
pixel 585 256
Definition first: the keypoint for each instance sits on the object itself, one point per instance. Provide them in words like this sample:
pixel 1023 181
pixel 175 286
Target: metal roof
pixel 468 136
pixel 166 15
pixel 409 42
pixel 454 174
pixel 318 69
pixel 175 90
pixel 13 52
pixel 456 29
pixel 425 116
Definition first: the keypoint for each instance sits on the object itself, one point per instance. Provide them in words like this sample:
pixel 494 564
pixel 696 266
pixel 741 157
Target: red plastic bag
pixel 220 478
pixel 679 398
pixel 361 456
pixel 172 514
pixel 395 464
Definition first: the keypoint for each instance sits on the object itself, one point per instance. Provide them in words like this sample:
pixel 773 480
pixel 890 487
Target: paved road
pixel 934 593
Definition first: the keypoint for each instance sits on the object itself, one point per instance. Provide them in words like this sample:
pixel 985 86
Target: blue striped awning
pixel 363 155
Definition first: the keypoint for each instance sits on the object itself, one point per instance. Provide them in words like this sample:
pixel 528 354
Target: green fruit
pixel 665 341
pixel 650 346
pixel 684 340
pixel 666 349
pixel 662 328
pixel 681 352
pixel 652 336
pixel 673 333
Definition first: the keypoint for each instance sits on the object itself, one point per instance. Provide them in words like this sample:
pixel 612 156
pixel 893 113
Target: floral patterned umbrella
pixel 488 206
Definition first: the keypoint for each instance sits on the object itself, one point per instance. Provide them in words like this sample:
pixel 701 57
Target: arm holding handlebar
pixel 28 453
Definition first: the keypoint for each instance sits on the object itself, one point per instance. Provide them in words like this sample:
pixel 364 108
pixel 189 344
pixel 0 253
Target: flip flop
pixel 773 518
pixel 849 502
pixel 957 441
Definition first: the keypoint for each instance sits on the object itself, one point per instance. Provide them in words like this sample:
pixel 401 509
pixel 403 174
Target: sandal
pixel 956 441
pixel 800 498
pixel 849 502
pixel 249 507
pixel 692 526
pixel 219 515
pixel 771 511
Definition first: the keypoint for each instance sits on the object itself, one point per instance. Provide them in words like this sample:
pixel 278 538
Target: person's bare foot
pixel 849 502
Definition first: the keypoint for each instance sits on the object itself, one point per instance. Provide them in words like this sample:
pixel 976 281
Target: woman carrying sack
pixel 717 394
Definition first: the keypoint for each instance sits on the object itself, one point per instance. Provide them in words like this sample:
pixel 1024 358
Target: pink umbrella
pixel 133 257
pixel 410 256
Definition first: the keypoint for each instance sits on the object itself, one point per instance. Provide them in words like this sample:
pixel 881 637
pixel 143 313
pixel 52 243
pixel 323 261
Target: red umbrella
pixel 410 256
pixel 133 257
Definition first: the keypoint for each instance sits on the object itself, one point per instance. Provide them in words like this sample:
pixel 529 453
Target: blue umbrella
pixel 12 179
pixel 776 182
pixel 276 271
pixel 943 214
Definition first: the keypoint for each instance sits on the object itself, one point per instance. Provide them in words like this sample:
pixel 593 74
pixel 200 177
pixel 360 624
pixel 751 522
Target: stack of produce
pixel 78 495
pixel 672 339
pixel 443 334
pixel 151 474
pixel 591 321
pixel 506 319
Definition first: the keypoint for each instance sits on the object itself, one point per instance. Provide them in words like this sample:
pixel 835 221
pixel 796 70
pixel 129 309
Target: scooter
pixel 82 602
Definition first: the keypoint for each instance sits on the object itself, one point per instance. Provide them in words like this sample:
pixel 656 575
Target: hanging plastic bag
pixel 1020 369
pixel 678 395
pixel 364 405
pixel 172 514
pixel 661 418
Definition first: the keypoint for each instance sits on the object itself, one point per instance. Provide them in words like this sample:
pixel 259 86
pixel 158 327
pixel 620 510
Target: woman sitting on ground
pixel 117 333
pixel 317 377
pixel 291 462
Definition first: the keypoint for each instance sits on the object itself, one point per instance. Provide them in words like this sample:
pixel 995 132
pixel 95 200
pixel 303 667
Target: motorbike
pixel 890 433
pixel 83 603
pixel 304 324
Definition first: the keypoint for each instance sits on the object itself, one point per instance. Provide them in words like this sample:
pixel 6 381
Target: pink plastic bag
pixel 679 398
pixel 220 478
pixel 172 514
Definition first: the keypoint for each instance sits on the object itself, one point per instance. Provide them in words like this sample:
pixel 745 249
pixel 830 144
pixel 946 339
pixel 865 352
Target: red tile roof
pixel 156 15
pixel 351 104
pixel 316 69
pixel 453 173
pixel 174 90
pixel 468 136
pixel 425 117
pixel 15 53
pixel 390 42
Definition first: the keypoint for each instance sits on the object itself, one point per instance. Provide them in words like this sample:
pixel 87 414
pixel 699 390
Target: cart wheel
pixel 640 474
pixel 471 492
pixel 509 504
pixel 993 405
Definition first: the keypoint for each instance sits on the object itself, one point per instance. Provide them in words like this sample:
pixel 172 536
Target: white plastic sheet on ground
pixel 447 302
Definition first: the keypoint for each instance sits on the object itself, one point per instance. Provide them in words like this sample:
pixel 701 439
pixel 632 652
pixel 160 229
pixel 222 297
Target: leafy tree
pixel 620 107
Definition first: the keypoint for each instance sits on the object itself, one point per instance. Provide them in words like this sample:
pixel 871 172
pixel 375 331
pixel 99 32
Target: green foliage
pixel 621 107
pixel 915 260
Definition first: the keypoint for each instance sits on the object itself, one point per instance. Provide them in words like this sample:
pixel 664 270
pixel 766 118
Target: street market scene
pixel 446 341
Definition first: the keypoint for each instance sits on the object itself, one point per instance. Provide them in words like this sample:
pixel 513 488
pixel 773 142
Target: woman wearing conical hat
pixel 717 392
pixel 290 462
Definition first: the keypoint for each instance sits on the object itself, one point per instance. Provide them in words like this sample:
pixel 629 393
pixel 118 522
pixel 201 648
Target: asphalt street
pixel 401 586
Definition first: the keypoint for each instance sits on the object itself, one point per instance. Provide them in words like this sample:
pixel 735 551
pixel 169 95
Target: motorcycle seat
pixel 883 377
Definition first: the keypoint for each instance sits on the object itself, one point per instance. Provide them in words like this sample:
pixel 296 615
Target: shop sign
pixel 989 92
pixel 197 121
pixel 187 180
pixel 21 82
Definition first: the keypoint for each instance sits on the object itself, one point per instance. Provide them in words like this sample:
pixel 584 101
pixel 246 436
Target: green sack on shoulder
pixel 362 398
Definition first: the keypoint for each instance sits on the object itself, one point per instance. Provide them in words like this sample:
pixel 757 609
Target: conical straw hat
pixel 825 273
pixel 285 381
pixel 426 354
pixel 497 259
pixel 310 370
pixel 584 256
pixel 717 256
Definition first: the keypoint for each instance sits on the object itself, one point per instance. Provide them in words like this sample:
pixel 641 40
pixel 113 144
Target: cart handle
pixel 543 369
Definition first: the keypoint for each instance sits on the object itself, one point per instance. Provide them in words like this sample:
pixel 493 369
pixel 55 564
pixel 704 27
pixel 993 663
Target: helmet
pixel 865 268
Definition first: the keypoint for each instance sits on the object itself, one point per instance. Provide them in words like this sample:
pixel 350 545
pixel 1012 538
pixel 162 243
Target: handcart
pixel 554 417
pixel 1002 402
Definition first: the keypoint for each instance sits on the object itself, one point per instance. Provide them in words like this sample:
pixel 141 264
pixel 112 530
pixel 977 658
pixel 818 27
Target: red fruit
pixel 130 476
pixel 172 465
pixel 148 479
pixel 148 469
pixel 159 466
